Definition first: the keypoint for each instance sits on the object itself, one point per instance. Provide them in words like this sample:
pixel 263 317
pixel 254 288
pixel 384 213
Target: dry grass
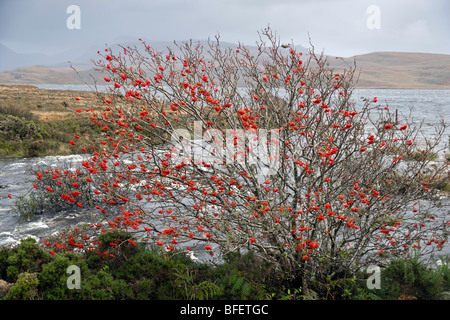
pixel 400 70
pixel 49 118
pixel 44 105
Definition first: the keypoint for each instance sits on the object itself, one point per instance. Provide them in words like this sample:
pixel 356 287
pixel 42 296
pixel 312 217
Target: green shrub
pixel 194 289
pixel 410 277
pixel 27 257
pixel 122 250
pixel 243 277
pixel 4 253
pixel 53 277
pixel 148 273
pixel 14 127
pixel 151 264
pixel 25 288
pixel 444 270
pixel 139 272
pixel 23 135
pixel 103 286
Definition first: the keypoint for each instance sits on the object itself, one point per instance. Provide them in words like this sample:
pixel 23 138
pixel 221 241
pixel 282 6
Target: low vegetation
pixel 37 122
pixel 138 272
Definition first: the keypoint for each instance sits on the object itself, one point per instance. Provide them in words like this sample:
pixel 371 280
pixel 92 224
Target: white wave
pixel 56 160
pixel 6 239
pixel 14 166
pixel 73 157
pixel 31 226
pixel 10 241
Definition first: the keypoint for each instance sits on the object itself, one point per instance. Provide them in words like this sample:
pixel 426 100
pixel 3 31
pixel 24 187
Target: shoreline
pixel 42 86
pixel 41 122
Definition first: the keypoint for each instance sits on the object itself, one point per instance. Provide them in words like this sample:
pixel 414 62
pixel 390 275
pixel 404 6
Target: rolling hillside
pixel 397 70
pixel 401 70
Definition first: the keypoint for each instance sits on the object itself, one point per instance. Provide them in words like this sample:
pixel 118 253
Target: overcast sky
pixel 339 27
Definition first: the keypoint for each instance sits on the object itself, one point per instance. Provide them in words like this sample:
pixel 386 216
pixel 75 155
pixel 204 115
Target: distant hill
pixel 10 60
pixel 400 70
pixel 45 75
pixel 377 70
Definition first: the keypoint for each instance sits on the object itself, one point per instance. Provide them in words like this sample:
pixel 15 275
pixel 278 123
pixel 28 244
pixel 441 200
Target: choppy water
pixel 428 105
pixel 15 179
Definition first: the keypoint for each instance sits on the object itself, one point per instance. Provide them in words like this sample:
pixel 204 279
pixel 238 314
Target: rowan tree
pixel 260 150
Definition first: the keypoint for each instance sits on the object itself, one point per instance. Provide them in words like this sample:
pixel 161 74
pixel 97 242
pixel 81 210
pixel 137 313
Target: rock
pixel 445 295
pixel 4 287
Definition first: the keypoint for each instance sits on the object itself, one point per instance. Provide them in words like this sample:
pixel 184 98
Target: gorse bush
pixel 27 257
pixel 53 277
pixel 26 287
pixel 151 273
pixel 21 136
pixel 24 135
pixel 16 128
pixel 409 278
pixel 264 152
pixel 140 273
pixel 412 277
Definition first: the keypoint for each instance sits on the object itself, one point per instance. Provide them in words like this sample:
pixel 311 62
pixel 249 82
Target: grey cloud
pixel 338 27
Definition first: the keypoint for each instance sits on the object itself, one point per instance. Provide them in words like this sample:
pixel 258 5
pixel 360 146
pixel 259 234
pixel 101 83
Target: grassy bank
pixel 39 122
